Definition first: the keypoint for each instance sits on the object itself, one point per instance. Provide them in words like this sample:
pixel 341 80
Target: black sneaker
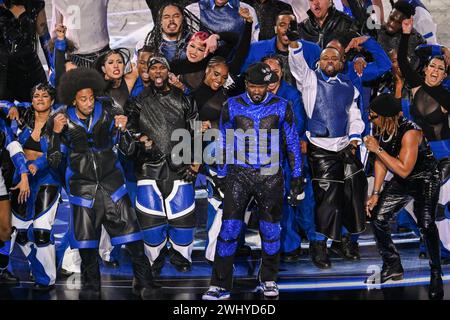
pixel 8 279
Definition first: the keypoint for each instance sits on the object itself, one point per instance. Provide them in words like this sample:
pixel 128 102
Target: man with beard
pixel 81 139
pixel 323 20
pixel 389 35
pixel 334 128
pixel 279 45
pixel 165 199
pixel 254 171
pixel 170 32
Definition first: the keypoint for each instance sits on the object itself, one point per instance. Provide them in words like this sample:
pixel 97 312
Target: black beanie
pixel 386 105
pixel 405 7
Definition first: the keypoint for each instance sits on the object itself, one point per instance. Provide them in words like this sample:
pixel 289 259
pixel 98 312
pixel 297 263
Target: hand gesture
pixel 360 64
pixel 211 44
pixel 120 122
pixel 175 81
pixel 371 143
pixel 371 203
pixel 33 169
pixel 59 123
pixel 245 14
pixel 407 25
pixel 24 188
pixel 13 114
pixel 356 43
pixel 60 31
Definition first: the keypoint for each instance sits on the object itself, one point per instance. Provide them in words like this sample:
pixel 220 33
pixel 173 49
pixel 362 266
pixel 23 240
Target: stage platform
pixel 299 280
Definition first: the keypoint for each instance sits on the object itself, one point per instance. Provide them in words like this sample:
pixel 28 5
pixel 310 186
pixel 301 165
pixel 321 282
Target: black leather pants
pixel 424 190
pixel 340 191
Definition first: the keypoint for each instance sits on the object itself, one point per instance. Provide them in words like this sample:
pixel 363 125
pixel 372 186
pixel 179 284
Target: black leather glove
pixel 188 174
pixel 219 185
pixel 349 156
pixel 292 32
pixel 297 192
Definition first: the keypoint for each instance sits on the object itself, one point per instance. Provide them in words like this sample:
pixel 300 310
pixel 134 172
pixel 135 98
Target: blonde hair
pixel 389 125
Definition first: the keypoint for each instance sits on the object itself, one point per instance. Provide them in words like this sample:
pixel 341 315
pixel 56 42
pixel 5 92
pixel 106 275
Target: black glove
pixel 348 156
pixel 292 32
pixel 219 185
pixel 297 192
pixel 188 174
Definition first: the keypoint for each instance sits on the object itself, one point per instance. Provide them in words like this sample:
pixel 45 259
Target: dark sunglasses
pixel 372 116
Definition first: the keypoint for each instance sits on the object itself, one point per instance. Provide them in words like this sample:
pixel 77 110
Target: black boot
pixel 292 256
pixel 431 239
pixel 90 274
pixel 6 277
pixel 158 264
pixel 391 272
pixel 181 263
pixel 319 255
pixel 345 249
pixel 143 284
pixel 436 290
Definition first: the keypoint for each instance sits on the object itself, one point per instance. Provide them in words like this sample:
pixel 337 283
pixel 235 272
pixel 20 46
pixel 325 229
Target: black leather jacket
pixel 157 115
pixel 335 22
pixel 85 152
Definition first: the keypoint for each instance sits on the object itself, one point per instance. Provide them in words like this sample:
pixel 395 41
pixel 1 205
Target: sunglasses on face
pixel 372 116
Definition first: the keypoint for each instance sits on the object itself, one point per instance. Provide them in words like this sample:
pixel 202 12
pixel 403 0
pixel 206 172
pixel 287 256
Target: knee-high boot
pixel 431 238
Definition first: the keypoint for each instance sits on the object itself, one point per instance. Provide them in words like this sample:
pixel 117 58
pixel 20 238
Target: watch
pixel 380 150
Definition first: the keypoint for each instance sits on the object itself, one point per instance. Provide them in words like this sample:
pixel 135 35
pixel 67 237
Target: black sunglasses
pixel 372 116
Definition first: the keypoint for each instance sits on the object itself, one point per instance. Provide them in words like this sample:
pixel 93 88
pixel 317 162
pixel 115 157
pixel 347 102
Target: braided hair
pixel 190 25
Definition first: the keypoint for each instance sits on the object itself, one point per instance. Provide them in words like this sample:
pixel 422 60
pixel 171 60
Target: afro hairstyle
pixel 405 7
pixel 79 79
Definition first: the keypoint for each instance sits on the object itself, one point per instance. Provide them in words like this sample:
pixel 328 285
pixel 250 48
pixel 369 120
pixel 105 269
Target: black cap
pixel 157 59
pixel 259 73
pixel 386 105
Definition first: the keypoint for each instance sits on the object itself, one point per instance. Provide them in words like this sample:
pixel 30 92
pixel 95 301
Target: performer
pixel 87 23
pixel 429 109
pixel 9 144
pixel 37 214
pixel 20 67
pixel 165 200
pixel 81 144
pixel 250 175
pixel 334 128
pixel 120 82
pixel 171 32
pixel 302 215
pixel 401 148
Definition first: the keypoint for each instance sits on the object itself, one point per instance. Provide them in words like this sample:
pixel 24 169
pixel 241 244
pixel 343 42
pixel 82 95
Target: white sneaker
pixel 269 288
pixel 216 293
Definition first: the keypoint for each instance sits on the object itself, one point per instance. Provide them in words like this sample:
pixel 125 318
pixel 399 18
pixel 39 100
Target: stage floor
pixel 297 281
